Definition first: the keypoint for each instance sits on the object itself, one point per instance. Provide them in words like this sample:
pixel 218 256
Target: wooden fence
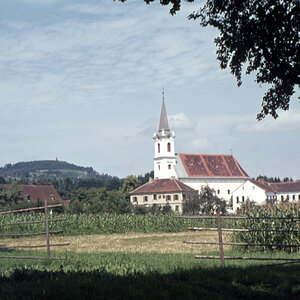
pixel 47 232
pixel 221 243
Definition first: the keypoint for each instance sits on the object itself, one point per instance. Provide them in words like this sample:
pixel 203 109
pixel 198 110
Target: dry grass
pixel 130 242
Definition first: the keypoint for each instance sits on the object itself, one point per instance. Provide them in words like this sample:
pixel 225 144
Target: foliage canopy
pixel 262 36
pixel 206 202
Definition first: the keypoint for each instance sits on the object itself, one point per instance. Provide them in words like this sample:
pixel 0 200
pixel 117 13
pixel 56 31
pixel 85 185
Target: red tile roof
pixel 263 185
pixel 162 186
pixel 285 187
pixel 210 165
pixel 278 187
pixel 36 193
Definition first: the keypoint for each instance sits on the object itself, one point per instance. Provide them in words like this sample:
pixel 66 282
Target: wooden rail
pixel 221 243
pixel 28 209
pixel 29 234
pixel 240 230
pixel 32 222
pixel 237 218
pixel 47 232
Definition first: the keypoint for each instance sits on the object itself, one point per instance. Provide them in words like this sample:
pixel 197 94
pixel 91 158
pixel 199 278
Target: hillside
pixel 46 169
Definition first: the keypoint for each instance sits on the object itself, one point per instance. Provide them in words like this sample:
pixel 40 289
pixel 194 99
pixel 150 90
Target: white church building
pixel 178 176
pixel 221 172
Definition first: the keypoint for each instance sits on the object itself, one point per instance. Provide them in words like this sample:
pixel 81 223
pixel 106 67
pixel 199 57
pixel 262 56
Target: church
pixel 177 176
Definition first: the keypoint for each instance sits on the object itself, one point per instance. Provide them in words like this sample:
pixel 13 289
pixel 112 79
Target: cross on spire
pixel 163 122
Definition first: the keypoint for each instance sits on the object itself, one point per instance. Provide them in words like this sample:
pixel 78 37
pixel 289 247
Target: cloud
pixel 181 121
pixel 83 8
pixel 199 145
pixel 287 121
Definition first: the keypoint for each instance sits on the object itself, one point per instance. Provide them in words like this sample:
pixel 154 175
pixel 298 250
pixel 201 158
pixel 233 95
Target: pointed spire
pixel 163 122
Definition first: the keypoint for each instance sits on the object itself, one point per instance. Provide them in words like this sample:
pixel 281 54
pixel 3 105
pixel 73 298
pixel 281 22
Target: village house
pixel 162 192
pixel 37 193
pixel 221 172
pixel 261 192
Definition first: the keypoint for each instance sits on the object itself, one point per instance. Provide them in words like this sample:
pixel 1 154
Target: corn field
pixel 285 231
pixel 99 223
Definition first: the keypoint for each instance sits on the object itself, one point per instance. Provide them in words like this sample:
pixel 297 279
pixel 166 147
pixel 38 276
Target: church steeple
pixel 163 122
pixel 164 148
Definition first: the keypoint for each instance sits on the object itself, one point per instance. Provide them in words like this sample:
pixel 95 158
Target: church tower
pixel 164 150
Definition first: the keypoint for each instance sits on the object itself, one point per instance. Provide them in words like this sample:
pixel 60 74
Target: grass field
pixel 143 266
pixel 130 242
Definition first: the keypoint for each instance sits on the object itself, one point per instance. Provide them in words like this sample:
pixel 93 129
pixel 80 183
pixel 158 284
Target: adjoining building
pixel 220 172
pixel 37 193
pixel 261 192
pixel 162 192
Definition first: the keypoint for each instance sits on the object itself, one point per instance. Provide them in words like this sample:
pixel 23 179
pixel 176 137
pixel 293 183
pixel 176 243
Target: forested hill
pixel 47 169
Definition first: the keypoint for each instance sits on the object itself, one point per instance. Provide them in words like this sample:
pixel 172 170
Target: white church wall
pixel 248 192
pixel 223 187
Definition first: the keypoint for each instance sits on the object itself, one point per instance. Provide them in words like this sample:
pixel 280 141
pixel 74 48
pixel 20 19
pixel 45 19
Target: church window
pixel 158 147
pixel 218 192
pixel 228 192
pixel 237 199
pixel 169 166
pixel 158 167
pixel 169 147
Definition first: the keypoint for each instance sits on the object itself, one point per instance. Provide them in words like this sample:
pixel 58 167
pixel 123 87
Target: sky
pixel 82 81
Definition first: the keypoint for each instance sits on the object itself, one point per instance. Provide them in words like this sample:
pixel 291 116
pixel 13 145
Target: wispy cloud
pixel 200 145
pixel 181 121
pixel 288 121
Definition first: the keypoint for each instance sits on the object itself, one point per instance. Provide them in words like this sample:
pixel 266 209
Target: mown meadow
pixel 143 257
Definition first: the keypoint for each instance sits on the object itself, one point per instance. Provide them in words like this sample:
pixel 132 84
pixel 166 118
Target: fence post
pixel 47 229
pixel 220 239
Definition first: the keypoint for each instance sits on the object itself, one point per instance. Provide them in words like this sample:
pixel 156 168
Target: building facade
pixel 261 192
pixel 162 192
pixel 220 172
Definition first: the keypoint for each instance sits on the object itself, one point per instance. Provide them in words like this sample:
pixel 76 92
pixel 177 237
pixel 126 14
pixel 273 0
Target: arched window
pixel 158 147
pixel 169 166
pixel 169 147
